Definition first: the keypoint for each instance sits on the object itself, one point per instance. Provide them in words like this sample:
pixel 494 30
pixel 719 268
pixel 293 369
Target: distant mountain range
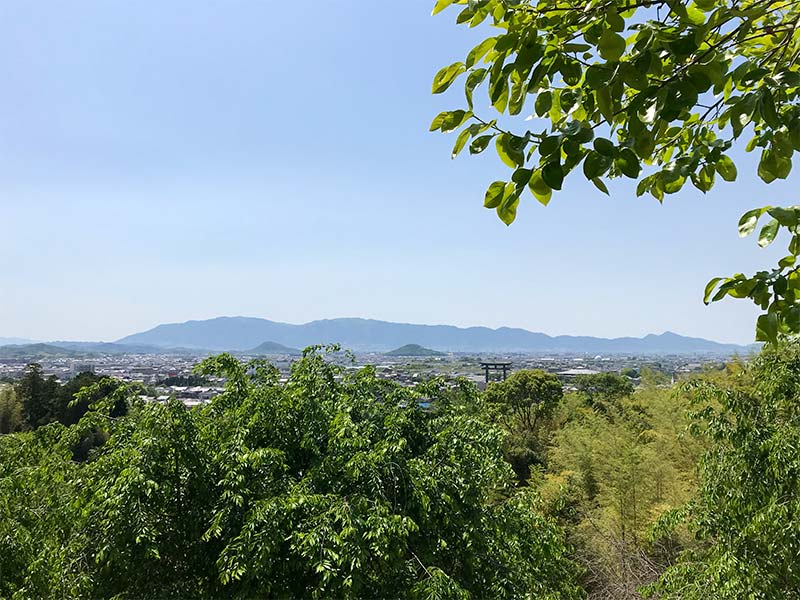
pixel 5 341
pixel 367 335
pixel 85 349
pixel 36 350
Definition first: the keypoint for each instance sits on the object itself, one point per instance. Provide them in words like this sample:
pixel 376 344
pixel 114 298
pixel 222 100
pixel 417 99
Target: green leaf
pixel 643 186
pixel 726 168
pixel 474 79
pixel 507 211
pixel 498 94
pixel 776 162
pixel 494 195
pixel 555 108
pixel 784 166
pixel 441 5
pixel 605 104
pixel 522 176
pixel 703 180
pixel 445 77
pixel 479 51
pixel 794 245
pixel 694 15
pixel 710 289
pixel 768 233
pixel 767 328
pixel 540 190
pixel 768 110
pixel 792 320
pixel 460 142
pixel 747 223
pixel 553 175
pixel 571 72
pixel 611 45
pixel 544 100
pixel 452 120
pixel 673 183
pixel 628 163
pixel 479 144
pixel 788 217
pixel 511 155
pixel 598 76
pixel 550 145
pixel 567 100
pixel 438 120
pixel 595 164
pixel 768 166
pixel 600 185
pixel 605 147
pixel 782 144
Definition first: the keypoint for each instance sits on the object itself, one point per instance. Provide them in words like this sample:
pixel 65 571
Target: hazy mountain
pixel 273 348
pixel 5 341
pixel 36 351
pixel 243 333
pixel 414 350
pixel 116 348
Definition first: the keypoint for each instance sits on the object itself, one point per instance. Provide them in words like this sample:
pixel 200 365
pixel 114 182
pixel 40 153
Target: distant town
pixel 171 374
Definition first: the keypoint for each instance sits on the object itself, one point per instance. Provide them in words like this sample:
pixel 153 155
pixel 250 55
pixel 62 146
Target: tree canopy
pixel 745 513
pixel 328 485
pixel 658 91
pixel 528 394
pixel 601 388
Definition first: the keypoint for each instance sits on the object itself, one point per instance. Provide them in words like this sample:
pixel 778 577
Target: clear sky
pixel 166 161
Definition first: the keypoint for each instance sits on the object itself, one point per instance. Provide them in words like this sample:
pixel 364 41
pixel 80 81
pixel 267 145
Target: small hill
pixel 414 350
pixel 273 348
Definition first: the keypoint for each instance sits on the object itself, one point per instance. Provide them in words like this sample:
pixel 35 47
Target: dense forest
pixel 338 483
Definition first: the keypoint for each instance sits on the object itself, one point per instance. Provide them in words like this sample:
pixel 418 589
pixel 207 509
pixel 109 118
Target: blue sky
pixel 161 162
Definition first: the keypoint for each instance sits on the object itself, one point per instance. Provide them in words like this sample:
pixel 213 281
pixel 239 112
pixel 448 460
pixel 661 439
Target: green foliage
pixel 38 396
pixel 622 86
pixel 601 390
pixel 529 394
pixel 11 418
pixel 181 380
pixel 630 373
pixel 611 474
pixel 71 404
pixel 777 292
pixel 652 376
pixel 328 485
pixel 45 401
pixel 525 402
pixel 746 510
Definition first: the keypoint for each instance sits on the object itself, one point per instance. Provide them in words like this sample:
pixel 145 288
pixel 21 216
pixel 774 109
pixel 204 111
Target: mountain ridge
pixel 16 341
pixel 243 333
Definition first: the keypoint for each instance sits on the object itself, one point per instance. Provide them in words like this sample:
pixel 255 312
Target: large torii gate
pixel 497 365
